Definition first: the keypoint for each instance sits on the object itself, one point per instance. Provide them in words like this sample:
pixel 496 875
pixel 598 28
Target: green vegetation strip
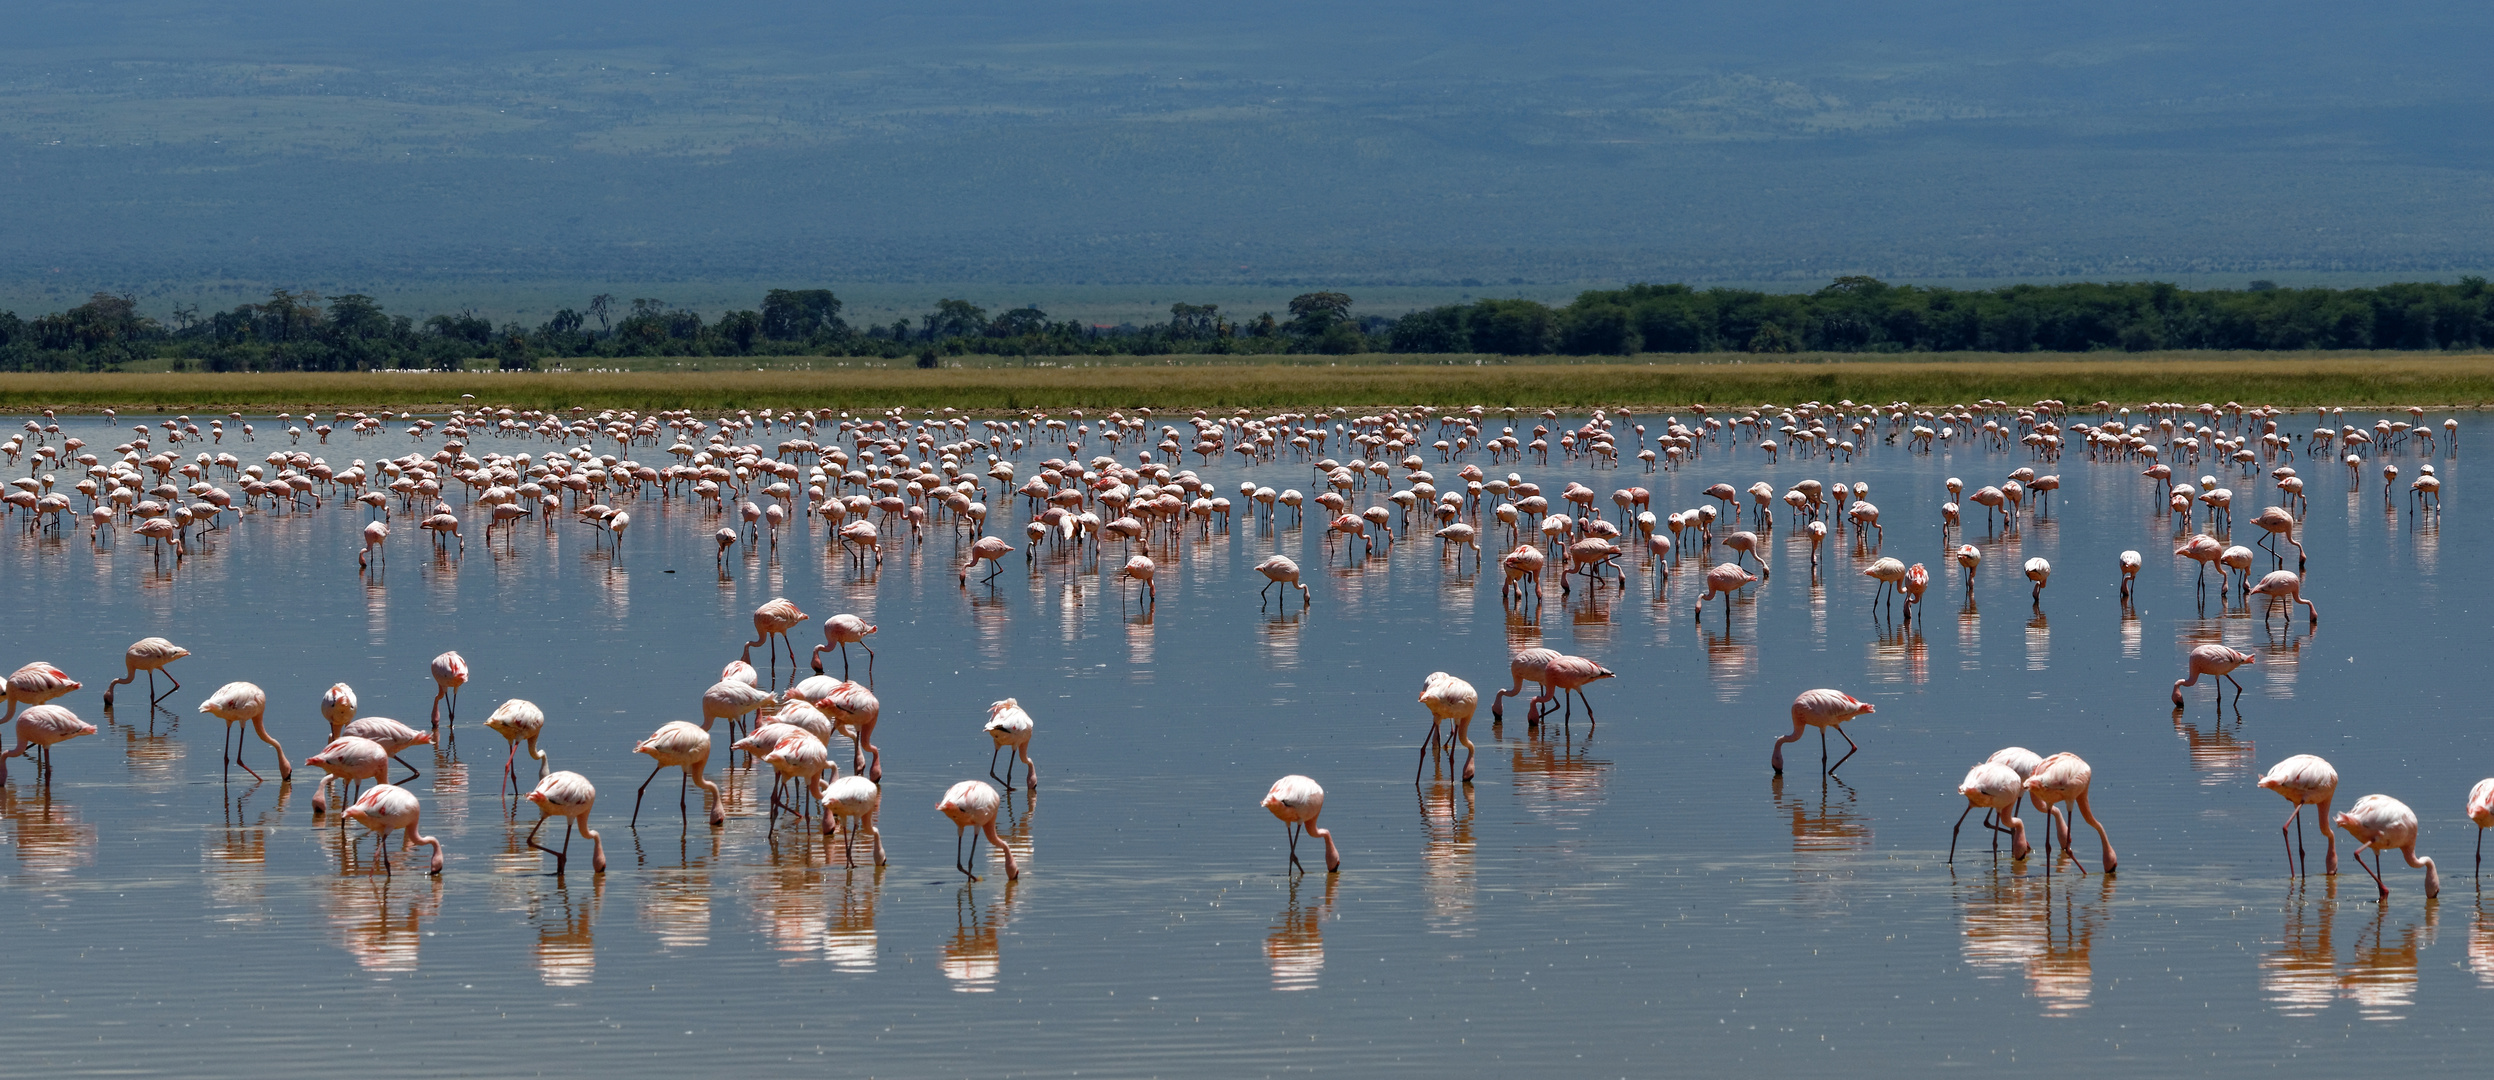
pixel 2433 380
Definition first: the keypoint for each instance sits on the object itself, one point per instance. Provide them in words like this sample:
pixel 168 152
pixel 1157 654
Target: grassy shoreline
pixel 2433 380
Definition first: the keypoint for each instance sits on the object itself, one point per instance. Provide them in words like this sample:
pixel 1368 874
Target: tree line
pixel 303 331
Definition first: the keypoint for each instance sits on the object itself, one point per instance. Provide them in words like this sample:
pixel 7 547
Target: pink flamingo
pixel 149 655
pixel 732 701
pixel 387 808
pixel 854 707
pixel 972 804
pixel 1521 565
pixel 450 672
pixel 989 548
pixel 1559 675
pixel 393 736
pixel 39 728
pixel 773 621
pixel 242 702
pixel 2130 564
pixel 1450 699
pixel 2039 572
pixel 35 684
pixel 2304 780
pixel 2275 523
pixel 1724 579
pixel 518 719
pixel 2287 586
pixel 1917 581
pixel 376 533
pixel 2064 777
pixel 1140 568
pixel 1822 709
pixel 567 795
pixel 1297 800
pixel 1279 570
pixel 2380 823
pixel 1969 558
pixel 337 705
pixel 851 801
pixel 685 746
pixel 2203 549
pixel 1995 789
pixel 2213 661
pixel 841 631
pixel 1009 726
pixel 347 758
pixel 2480 811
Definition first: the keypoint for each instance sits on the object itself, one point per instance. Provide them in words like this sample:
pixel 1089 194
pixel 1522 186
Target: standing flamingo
pixel 450 672
pixel 2064 777
pixel 851 800
pixel 1009 726
pixel 347 758
pixel 972 804
pixel 2480 811
pixel 1995 788
pixel 841 631
pixel 2214 661
pixel 38 729
pixel 1450 699
pixel 2039 572
pixel 771 623
pixel 2130 571
pixel 1822 709
pixel 1969 558
pixel 1724 579
pixel 35 684
pixel 2305 780
pixel 685 746
pixel 1279 570
pixel 731 701
pixel 393 736
pixel 518 719
pixel 567 795
pixel 337 705
pixel 2287 586
pixel 149 655
pixel 2380 823
pixel 376 533
pixel 241 702
pixel 1140 568
pixel 386 808
pixel 1297 800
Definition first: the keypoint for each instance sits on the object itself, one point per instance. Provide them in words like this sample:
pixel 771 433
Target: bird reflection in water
pixel 850 942
pixel 1139 645
pixel 2299 977
pixel 2481 946
pixel 1557 777
pixel 154 755
pixel 789 904
pixel 1592 617
pixel 1824 821
pixel 990 619
pixel 2220 755
pixel 46 834
pixel 2381 978
pixel 237 862
pixel 972 957
pixel 2038 642
pixel 379 920
pixel 675 905
pixel 1295 950
pixel 1729 663
pixel 2281 657
pixel 2132 648
pixel 1281 639
pixel 1523 628
pixel 2014 922
pixel 1899 653
pixel 1446 857
pixel 565 919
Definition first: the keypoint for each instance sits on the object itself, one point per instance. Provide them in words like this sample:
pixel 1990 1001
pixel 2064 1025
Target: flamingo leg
pixel 636 796
pixel 1952 836
pixel 1851 749
pixel 1292 831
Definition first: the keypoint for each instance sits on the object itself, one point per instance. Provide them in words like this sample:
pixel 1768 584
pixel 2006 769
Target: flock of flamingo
pixel 896 481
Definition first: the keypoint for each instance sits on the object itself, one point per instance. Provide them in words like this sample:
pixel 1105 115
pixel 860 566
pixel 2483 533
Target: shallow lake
pixel 1630 899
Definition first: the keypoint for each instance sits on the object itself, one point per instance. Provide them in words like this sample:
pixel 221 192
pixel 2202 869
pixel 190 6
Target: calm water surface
pixel 1641 898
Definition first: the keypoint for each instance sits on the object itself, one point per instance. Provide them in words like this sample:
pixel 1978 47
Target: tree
pixel 955 318
pixel 356 316
pixel 1311 314
pixel 1195 321
pixel 599 305
pixel 740 328
pixel 800 314
pixel 1019 322
pixel 1512 327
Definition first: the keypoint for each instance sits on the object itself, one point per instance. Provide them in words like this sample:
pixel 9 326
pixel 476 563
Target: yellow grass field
pixel 2432 380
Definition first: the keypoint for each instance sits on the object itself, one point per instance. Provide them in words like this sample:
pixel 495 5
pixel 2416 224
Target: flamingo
pixel 685 746
pixel 1889 573
pixel 2304 780
pixel 392 735
pixel 1279 570
pixel 993 550
pixel 1969 557
pixel 387 808
pixel 2480 811
pixel 2039 572
pixel 2130 571
pixel 772 621
pixel 2213 661
pixel 2287 586
pixel 841 631
pixel 1521 565
pixel 854 707
pixel 567 795
pixel 1558 675
pixel 1451 699
pixel 1297 800
pixel 347 758
pixel 241 702
pixel 1724 579
pixel 972 804
pixel 450 672
pixel 35 684
pixel 1822 709
pixel 2064 777
pixel 852 800
pixel 731 701
pixel 2276 523
pixel 798 756
pixel 2380 823
pixel 150 655
pixel 39 728
pixel 1009 726
pixel 516 720
pixel 1995 788
pixel 337 705
pixel 1917 580
pixel 1140 568
pixel 2202 549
